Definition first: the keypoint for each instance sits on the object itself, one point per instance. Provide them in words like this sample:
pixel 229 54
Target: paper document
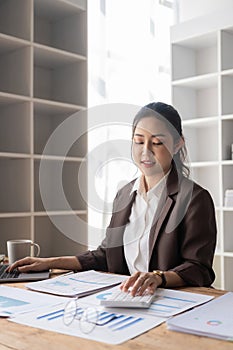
pixel 77 284
pixel 167 302
pixel 118 324
pixel 213 319
pixel 120 327
pixel 15 300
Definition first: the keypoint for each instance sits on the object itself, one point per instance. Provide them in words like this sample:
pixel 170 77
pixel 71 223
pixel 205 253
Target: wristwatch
pixel 162 275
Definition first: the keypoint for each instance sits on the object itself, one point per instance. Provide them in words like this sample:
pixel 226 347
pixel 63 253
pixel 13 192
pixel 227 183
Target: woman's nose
pixel 147 149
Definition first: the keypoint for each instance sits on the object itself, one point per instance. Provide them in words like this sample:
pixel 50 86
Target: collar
pixel 173 183
pixel 139 187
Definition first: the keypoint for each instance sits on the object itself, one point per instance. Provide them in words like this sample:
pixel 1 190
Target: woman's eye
pixel 158 143
pixel 138 142
pixel 155 142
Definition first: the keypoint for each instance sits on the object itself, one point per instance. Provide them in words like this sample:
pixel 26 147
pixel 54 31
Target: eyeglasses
pixel 88 317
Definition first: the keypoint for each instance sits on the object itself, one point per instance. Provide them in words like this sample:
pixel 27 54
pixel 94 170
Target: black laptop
pixel 16 276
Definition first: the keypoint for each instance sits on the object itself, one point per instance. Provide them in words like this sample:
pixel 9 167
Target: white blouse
pixel 136 235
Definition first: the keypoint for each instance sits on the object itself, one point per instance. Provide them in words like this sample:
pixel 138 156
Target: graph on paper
pixel 111 327
pixel 213 319
pixel 167 302
pixel 80 283
pixel 113 321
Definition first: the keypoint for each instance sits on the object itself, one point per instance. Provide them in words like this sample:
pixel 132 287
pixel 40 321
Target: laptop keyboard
pixel 4 274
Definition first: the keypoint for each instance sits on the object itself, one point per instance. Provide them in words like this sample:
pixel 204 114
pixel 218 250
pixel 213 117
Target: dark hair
pixel 169 115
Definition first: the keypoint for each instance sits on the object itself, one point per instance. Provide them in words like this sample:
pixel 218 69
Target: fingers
pixel 140 282
pixel 149 285
pixel 23 265
pixel 129 282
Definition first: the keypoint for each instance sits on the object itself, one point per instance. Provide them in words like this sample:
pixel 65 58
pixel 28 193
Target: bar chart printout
pixel 115 325
pixel 111 327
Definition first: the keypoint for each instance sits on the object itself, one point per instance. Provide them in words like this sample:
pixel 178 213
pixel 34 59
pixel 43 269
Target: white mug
pixel 20 248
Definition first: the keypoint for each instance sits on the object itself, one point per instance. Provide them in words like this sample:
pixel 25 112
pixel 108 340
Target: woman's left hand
pixel 139 282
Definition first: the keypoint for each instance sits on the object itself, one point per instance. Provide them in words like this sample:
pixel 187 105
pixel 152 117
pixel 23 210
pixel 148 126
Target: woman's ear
pixel 179 145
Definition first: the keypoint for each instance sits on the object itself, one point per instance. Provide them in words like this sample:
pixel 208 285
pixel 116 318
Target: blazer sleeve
pixel 109 256
pixel 96 259
pixel 198 241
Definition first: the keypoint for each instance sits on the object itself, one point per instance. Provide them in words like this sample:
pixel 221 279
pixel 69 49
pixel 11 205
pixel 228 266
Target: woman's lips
pixel 147 163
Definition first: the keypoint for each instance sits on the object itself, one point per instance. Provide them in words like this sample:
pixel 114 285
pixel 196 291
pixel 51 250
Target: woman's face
pixel 153 147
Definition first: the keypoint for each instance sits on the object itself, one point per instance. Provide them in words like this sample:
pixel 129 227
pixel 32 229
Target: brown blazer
pixel 182 236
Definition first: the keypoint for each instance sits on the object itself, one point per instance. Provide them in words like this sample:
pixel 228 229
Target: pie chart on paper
pixel 103 296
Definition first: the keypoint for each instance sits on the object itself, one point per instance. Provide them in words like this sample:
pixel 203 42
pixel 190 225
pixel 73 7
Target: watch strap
pixel 162 275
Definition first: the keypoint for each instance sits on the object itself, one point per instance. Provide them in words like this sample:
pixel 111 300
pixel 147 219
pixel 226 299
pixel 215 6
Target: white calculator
pixel 122 299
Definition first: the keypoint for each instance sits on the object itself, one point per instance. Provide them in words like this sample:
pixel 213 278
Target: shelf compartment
pixel 227 139
pixel 60 213
pixel 227 229
pixel 15 18
pixel 61 24
pixel 218 223
pixel 14 228
pixel 198 82
pixel 47 122
pixel 59 77
pixel 15 70
pixel 8 99
pixel 196 138
pixel 15 185
pixel 227 171
pixel 228 268
pixel 202 85
pixel 228 209
pixel 196 102
pixel 43 70
pixel 15 127
pixel 55 237
pixel 208 177
pixel 227 49
pixel 66 191
pixel 9 44
pixel 227 88
pixel 53 107
pixel 200 122
pixel 218 272
pixel 198 56
pixel 50 57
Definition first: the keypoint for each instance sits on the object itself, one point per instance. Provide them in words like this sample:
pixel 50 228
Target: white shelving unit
pixel 43 69
pixel 202 91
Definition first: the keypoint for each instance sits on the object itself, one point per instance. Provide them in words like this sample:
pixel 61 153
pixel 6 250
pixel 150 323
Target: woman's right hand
pixel 39 264
pixel 30 264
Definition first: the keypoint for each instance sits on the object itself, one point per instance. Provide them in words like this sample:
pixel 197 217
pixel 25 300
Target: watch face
pixel 157 272
pixel 161 274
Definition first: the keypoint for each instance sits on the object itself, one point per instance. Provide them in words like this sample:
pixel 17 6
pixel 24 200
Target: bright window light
pixel 129 62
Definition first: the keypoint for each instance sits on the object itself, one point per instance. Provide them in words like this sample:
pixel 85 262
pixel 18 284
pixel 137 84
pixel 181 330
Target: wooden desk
pixel 18 337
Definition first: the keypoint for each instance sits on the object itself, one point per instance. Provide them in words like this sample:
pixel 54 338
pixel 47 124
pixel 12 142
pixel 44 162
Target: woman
pixel 163 230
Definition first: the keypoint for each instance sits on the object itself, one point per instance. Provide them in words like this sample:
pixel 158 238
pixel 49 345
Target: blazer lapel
pixel 120 218
pixel 158 223
pixel 115 251
pixel 165 204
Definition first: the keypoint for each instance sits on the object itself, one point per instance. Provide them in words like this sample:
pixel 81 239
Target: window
pixel 129 63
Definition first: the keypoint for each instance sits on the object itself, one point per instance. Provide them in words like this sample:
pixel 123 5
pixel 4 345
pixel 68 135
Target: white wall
pixel 188 9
